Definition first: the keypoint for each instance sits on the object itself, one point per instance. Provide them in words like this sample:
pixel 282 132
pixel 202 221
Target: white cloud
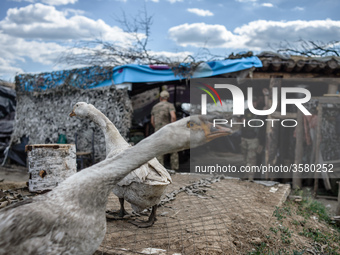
pixel 174 1
pixel 201 35
pixel 38 21
pixel 267 5
pixel 256 35
pixel 200 12
pixel 173 56
pixel 35 33
pixel 58 2
pixel 298 8
pixel 50 2
pixel 14 51
pixel 260 33
pixel 7 71
pixel 30 1
pixel 70 11
pixel 245 1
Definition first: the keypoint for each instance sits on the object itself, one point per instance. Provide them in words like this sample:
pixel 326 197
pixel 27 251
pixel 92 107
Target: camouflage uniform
pixel 161 113
pixel 249 142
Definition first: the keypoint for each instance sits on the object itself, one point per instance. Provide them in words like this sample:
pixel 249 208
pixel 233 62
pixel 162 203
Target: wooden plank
pixel 289 115
pixel 297 182
pixel 331 95
pixel 317 147
pixel 332 161
pixel 328 100
pixel 332 88
pixel 310 77
pixel 327 197
pixel 272 138
pixel 324 175
pixel 337 212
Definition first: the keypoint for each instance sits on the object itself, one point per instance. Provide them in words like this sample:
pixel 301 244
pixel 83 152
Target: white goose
pixel 143 187
pixel 71 218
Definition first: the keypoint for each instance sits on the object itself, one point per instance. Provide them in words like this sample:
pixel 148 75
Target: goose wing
pixel 151 173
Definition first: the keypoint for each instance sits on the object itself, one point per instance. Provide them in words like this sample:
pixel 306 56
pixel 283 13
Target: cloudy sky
pixel 33 33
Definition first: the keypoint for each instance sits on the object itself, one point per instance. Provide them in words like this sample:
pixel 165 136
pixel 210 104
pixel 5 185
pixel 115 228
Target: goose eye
pixel 190 124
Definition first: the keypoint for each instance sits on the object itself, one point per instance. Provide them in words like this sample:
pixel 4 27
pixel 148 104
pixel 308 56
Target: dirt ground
pixel 203 215
pixel 228 217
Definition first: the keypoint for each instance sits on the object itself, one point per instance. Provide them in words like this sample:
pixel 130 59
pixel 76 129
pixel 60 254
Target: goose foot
pixel 149 222
pixel 118 215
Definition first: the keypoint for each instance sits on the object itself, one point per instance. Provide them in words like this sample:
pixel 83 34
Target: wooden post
pixel 332 88
pixel 337 212
pixel 272 138
pixel 297 182
pixel 317 147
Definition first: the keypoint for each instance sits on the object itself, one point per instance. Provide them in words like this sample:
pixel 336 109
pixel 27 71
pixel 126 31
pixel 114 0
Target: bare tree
pixel 106 53
pixel 99 52
pixel 140 27
pixel 311 48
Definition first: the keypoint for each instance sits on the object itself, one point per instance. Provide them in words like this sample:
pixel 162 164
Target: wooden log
pixel 317 147
pixel 49 165
pixel 297 182
pixel 332 88
pixel 299 65
pixel 337 212
pixel 265 64
pixel 320 66
pixel 327 197
pixel 289 65
pixel 276 64
pixel 272 138
pixel 331 65
pixel 310 66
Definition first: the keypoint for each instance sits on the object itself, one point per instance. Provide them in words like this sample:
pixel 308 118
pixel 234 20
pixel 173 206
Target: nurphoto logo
pixel 238 108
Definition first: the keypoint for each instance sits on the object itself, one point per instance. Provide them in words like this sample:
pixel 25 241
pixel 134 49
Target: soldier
pixel 162 114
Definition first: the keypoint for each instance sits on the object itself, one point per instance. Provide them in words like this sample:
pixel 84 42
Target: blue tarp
pixel 94 77
pixel 145 73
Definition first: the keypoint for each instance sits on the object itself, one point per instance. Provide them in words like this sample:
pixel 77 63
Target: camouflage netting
pixel 44 115
pixel 330 146
pixel 83 78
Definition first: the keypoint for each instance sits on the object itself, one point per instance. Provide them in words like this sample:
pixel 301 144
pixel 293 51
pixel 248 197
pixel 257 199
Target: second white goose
pixel 144 186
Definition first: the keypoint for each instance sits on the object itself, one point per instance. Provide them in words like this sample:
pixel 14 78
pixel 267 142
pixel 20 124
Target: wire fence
pixel 206 216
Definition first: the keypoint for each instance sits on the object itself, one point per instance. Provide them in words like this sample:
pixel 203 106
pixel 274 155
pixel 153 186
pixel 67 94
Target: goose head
pixel 81 109
pixel 191 132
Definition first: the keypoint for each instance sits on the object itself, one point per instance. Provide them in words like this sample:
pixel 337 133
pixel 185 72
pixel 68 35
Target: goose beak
pixel 212 132
pixel 72 114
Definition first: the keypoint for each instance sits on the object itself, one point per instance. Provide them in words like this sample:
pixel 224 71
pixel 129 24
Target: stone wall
pixel 44 115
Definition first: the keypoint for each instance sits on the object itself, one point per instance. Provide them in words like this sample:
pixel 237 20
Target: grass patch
pixel 287 222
